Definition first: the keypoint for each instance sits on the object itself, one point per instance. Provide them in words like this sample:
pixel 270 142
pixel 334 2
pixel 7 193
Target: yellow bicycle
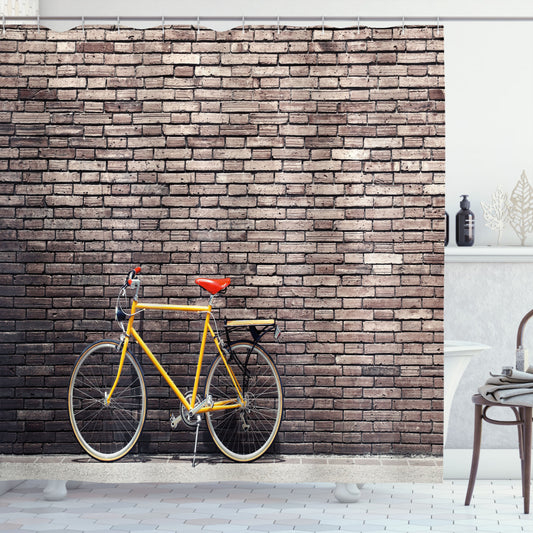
pixel 242 401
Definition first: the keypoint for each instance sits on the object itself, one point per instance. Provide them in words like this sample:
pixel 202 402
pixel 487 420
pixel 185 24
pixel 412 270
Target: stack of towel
pixel 510 387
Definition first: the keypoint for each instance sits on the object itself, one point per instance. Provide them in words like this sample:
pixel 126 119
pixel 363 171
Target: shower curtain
pixel 306 164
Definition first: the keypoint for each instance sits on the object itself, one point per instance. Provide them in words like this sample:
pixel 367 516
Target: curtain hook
pixel 118 24
pixel 3 24
pixel 403 26
pixel 38 23
pixel 83 27
pixel 198 23
pixel 322 24
pixel 163 26
pixel 438 29
pixel 278 24
pixel 243 24
pixel 358 28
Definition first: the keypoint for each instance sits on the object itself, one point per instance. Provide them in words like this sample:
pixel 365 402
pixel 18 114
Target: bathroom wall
pixel 489 109
pixel 484 303
pixel 307 165
pixel 488 139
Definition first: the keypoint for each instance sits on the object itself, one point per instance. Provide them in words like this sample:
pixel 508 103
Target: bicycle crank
pixel 208 402
pixel 190 418
pixel 184 415
pixel 174 421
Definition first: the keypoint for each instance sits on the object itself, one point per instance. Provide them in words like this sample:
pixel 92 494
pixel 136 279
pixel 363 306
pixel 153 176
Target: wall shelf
pixel 489 254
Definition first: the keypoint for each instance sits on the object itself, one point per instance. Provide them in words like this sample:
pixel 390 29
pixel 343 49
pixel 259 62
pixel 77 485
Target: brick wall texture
pixel 307 165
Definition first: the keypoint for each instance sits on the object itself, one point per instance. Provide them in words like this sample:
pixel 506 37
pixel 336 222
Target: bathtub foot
pixel 55 490
pixel 347 492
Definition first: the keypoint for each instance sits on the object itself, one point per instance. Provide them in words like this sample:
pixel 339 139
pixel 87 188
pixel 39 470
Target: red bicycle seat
pixel 213 285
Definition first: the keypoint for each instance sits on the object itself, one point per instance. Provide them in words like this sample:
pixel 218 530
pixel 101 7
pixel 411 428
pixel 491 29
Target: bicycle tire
pixel 106 432
pixel 246 433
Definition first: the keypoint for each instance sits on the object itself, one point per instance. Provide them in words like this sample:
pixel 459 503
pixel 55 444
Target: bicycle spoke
pixel 91 406
pixel 245 433
pixel 106 431
pixel 90 420
pixel 87 395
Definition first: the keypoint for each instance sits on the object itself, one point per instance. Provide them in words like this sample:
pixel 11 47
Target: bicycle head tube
pixel 135 284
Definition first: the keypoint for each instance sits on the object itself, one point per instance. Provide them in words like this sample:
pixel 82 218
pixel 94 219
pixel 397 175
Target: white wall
pixel 407 8
pixel 484 303
pixel 19 8
pixel 489 114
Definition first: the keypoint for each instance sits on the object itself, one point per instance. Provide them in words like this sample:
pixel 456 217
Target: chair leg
pixel 526 471
pixel 520 419
pixel 519 414
pixel 475 453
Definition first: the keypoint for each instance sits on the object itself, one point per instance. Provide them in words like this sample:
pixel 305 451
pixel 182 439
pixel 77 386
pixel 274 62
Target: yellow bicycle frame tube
pixel 130 331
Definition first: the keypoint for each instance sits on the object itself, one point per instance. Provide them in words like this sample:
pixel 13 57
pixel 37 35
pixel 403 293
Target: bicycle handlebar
pixel 132 274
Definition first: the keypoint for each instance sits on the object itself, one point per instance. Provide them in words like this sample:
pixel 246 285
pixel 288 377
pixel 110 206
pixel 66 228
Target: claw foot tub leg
pixel 347 492
pixel 55 490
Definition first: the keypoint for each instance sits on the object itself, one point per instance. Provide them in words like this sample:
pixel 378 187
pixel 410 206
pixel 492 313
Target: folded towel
pixel 510 387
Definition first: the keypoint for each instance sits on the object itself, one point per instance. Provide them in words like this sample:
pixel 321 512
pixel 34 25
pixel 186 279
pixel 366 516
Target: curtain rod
pixel 275 19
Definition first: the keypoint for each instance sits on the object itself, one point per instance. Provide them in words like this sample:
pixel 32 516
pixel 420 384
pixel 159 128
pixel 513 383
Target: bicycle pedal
pixel 174 421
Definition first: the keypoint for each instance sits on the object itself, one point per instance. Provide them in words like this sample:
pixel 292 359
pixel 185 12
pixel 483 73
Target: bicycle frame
pixel 132 332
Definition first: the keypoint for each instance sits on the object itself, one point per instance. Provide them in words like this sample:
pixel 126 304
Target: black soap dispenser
pixel 464 224
pixel 446 235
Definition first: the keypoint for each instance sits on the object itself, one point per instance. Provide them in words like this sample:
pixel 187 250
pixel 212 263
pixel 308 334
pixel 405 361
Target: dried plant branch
pixel 521 208
pixel 496 213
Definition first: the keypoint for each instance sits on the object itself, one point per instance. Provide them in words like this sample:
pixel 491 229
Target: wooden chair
pixel 523 423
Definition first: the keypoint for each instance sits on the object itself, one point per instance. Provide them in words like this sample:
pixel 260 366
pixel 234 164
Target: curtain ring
pixel 3 24
pixel 438 29
pixel 243 24
pixel 118 25
pixel 358 28
pixel 83 27
pixel 278 24
pixel 38 23
pixel 403 26
pixel 163 26
pixel 322 24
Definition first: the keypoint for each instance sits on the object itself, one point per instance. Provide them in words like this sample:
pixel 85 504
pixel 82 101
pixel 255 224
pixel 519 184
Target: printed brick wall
pixel 307 165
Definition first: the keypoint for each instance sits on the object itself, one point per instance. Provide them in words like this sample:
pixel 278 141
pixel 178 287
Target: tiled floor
pixel 255 507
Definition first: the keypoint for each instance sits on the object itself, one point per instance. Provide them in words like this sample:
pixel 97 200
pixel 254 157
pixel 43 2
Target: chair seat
pixel 477 399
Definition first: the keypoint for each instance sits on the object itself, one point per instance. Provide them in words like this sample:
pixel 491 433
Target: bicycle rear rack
pixel 257 328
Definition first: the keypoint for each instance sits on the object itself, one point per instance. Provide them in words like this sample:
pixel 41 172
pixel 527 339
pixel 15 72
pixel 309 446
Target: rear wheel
pixel 246 432
pixel 107 432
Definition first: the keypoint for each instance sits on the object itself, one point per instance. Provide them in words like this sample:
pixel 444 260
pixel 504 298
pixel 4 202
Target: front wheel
pixel 106 431
pixel 246 432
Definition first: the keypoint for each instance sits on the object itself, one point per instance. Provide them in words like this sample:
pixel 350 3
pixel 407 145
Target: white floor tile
pixel 252 507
